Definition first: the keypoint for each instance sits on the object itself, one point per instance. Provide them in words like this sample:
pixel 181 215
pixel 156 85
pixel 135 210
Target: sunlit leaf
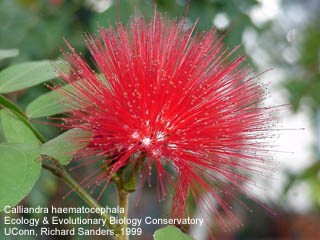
pixel 63 147
pixel 13 108
pixel 170 232
pixel 49 104
pixel 52 103
pixel 16 131
pixel 19 171
pixel 24 75
pixel 8 53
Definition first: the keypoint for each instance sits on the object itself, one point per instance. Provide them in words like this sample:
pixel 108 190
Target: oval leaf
pixel 170 232
pixel 54 102
pixel 66 145
pixel 49 104
pixel 19 171
pixel 8 53
pixel 14 130
pixel 20 76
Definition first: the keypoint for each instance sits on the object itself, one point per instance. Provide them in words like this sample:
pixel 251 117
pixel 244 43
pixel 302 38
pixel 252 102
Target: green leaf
pixel 19 170
pixel 24 75
pixel 66 145
pixel 8 53
pixel 6 103
pixel 16 131
pixel 49 104
pixel 170 232
pixel 52 103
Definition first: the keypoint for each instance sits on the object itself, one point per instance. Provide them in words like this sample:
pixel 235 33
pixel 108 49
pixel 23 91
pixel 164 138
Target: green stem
pixel 5 102
pixel 123 203
pixel 60 172
pixel 123 195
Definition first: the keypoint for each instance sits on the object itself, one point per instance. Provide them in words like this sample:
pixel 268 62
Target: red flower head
pixel 171 100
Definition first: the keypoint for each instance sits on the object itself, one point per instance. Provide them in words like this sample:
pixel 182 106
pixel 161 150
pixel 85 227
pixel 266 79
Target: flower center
pixel 146 141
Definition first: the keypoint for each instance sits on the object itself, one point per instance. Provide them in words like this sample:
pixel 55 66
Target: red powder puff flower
pixel 170 100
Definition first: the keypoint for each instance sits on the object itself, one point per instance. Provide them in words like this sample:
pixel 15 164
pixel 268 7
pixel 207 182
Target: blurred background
pixel 282 36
